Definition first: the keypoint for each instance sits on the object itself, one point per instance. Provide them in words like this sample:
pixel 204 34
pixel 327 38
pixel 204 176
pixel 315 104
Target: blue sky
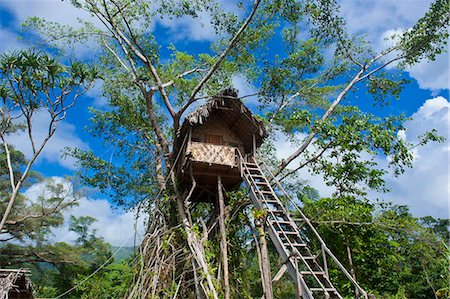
pixel 425 187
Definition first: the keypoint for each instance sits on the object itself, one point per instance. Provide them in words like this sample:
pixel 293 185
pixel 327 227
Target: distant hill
pixel 123 253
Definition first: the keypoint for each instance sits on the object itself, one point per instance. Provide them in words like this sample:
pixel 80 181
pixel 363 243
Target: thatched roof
pixel 231 110
pixel 15 283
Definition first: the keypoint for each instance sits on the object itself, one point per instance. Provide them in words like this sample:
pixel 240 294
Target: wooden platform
pixel 205 175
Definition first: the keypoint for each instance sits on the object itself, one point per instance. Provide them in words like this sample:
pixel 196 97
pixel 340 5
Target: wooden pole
pixel 189 135
pixel 279 274
pixel 325 264
pixel 266 274
pixel 297 282
pixel 352 267
pixel 223 239
pixel 258 253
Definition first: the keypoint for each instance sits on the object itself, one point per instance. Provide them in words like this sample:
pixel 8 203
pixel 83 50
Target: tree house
pixel 217 148
pixel 215 136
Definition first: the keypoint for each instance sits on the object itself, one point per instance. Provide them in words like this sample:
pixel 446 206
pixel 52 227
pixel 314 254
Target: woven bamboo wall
pixel 216 126
pixel 211 153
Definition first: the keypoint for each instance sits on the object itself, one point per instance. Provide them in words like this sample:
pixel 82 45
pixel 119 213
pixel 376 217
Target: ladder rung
pixel 252 168
pixel 252 171
pixel 294 245
pixel 309 258
pixel 277 211
pixel 282 222
pixel 321 290
pixel 314 272
pixel 287 232
pixel 267 193
pixel 272 201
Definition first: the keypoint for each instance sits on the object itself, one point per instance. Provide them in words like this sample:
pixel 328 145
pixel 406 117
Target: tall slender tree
pixel 32 82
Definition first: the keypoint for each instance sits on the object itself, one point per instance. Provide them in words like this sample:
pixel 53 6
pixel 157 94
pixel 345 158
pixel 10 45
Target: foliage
pixel 390 249
pixel 31 81
pixel 305 90
pixel 113 281
pixel 34 83
pixel 57 267
pixel 32 219
pixel 149 95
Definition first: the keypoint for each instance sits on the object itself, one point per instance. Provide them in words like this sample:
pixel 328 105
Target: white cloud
pixel 432 74
pixel 65 136
pixel 114 225
pixel 96 94
pixel 375 17
pixel 9 41
pixel 383 18
pixel 390 37
pixel 401 135
pixel 52 10
pixel 189 28
pixel 245 88
pixel 431 107
pixel 199 28
pixel 425 187
pixel 193 29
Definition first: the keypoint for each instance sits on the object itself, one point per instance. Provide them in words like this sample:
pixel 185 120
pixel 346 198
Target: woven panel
pixel 211 153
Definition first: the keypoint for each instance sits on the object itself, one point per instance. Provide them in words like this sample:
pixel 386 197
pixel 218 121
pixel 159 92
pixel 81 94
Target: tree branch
pixel 142 57
pixel 381 67
pixel 44 213
pixel 154 119
pixel 222 56
pixel 171 82
pixel 8 163
pixel 312 159
pixel 313 133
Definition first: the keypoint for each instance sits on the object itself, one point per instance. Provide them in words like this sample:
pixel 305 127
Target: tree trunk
pixel 223 238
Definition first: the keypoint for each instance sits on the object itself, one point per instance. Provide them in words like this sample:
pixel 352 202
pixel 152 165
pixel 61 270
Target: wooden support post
pixel 297 282
pixel 266 275
pixel 352 267
pixel 223 239
pixel 279 274
pixel 325 263
pixel 197 289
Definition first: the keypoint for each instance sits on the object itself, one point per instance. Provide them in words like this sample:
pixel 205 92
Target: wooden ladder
pixel 310 278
